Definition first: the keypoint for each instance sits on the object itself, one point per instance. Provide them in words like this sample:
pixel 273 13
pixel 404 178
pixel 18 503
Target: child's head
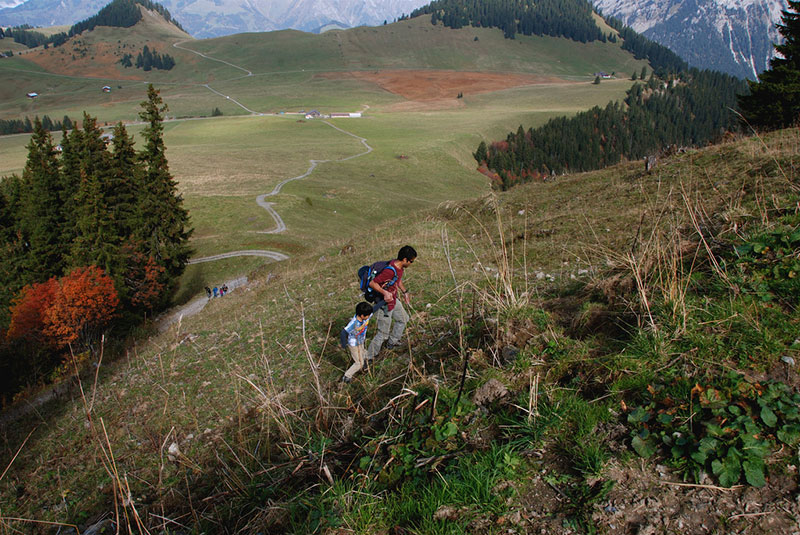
pixel 363 309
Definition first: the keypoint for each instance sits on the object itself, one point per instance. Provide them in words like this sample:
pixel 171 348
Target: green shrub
pixel 726 426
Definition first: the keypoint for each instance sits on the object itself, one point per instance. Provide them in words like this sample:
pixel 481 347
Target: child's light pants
pixel 359 354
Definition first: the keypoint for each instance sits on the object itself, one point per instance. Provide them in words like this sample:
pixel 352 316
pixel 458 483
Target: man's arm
pixel 406 295
pixel 387 296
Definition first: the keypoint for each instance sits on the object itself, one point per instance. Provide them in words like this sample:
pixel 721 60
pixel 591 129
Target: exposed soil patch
pixel 428 88
pixel 646 501
pixel 98 60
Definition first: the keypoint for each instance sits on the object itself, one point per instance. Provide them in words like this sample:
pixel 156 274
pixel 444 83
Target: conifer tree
pixel 42 218
pixel 96 241
pixel 162 221
pixel 774 101
pixel 12 251
pixel 71 146
pixel 125 176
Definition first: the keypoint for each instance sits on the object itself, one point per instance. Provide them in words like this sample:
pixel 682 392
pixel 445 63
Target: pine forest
pixel 94 237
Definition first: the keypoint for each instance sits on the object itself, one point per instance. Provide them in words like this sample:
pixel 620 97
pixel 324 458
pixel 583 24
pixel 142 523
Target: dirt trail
pixel 197 304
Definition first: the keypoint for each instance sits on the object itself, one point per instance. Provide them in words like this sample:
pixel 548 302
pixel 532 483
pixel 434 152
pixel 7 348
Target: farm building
pixel 345 115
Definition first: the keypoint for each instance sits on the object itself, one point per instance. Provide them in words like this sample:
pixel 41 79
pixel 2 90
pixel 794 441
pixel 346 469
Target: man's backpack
pixel 367 273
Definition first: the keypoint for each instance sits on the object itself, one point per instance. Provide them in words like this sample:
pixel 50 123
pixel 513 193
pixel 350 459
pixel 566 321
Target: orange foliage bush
pixel 85 302
pixel 143 281
pixel 28 311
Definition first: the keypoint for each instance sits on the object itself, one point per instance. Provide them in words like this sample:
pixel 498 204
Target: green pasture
pixel 13 153
pixel 11 45
pixel 293 92
pixel 61 95
pixel 419 159
pixel 417 44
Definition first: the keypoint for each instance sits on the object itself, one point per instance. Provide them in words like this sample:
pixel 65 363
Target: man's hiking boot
pixel 346 380
pixel 393 345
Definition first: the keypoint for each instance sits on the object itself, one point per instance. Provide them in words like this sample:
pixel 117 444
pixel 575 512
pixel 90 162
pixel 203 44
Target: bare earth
pixel 429 89
pixel 100 61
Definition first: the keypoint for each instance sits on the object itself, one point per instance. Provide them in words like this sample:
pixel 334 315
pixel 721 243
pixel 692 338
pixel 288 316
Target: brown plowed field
pixel 427 88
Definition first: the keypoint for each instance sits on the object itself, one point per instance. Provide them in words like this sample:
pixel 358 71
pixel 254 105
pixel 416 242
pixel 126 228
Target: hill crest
pixel 98 52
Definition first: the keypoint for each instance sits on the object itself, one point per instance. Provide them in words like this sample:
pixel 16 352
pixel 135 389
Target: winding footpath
pixel 198 303
pixel 280 226
pixel 261 200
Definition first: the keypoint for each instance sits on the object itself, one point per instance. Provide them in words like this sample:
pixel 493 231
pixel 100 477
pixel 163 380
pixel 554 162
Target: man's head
pixel 406 256
pixel 363 310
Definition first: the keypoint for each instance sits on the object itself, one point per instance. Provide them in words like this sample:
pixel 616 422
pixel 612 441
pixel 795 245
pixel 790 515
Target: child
pixel 353 337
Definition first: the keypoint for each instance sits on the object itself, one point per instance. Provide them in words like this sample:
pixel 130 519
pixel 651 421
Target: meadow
pixel 204 424
pixel 581 295
pixel 422 150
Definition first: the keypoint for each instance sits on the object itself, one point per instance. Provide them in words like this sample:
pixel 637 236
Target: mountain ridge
pixel 733 36
pixel 225 17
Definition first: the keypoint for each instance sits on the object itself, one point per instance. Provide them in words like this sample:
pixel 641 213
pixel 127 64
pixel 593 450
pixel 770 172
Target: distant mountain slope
pixel 99 51
pixel 224 17
pixel 733 36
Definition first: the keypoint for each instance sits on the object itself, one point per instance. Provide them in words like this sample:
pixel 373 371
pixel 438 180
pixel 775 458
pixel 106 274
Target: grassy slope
pixel 219 381
pixel 416 44
pixel 292 57
pixel 221 164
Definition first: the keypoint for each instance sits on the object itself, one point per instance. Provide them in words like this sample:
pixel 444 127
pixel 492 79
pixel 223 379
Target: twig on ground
pixel 694 485
pixel 748 515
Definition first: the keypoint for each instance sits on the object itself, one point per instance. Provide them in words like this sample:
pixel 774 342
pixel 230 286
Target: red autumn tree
pixel 142 279
pixel 84 304
pixel 28 311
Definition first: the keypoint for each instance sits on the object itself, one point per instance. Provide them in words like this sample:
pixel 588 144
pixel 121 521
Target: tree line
pixel 774 100
pixel 558 18
pixel 121 14
pixel 92 237
pixel 118 14
pixel 25 35
pixel 148 60
pixel 25 126
pixel 690 108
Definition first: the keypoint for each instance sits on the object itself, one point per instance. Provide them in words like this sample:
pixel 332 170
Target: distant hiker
pixel 216 291
pixel 208 292
pixel 224 289
pixel 386 284
pixel 354 336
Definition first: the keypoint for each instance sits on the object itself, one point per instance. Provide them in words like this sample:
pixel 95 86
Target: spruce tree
pixel 162 221
pixel 96 241
pixel 12 244
pixel 774 101
pixel 125 176
pixel 42 218
pixel 71 146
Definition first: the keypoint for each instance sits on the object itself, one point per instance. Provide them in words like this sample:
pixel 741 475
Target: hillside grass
pixel 234 389
pixel 417 44
pixel 419 159
pixel 593 287
pixel 74 85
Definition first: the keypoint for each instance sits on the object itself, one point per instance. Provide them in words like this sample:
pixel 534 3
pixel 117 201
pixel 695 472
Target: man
pixel 392 316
